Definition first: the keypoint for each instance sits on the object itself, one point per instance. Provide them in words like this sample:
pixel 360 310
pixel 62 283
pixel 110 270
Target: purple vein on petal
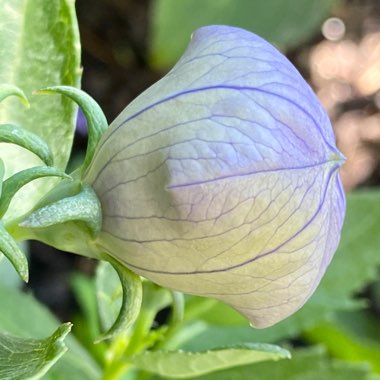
pixel 256 258
pixel 191 91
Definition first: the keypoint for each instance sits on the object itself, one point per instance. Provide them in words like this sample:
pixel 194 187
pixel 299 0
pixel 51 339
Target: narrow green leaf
pixel 1 175
pixel 10 133
pixel 13 184
pixel 11 90
pixel 287 23
pixel 131 298
pixel 182 365
pixel 23 316
pixel 12 251
pixel 96 120
pixel 39 47
pixel 28 359
pixel 306 364
pixel 84 207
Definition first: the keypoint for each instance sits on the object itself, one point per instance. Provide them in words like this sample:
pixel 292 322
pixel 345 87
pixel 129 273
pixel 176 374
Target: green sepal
pixel 12 251
pixel 10 133
pixel 18 180
pixel 82 207
pixel 131 301
pixel 96 120
pixel 9 90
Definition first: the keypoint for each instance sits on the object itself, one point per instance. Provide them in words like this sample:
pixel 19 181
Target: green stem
pixel 116 366
pixel 122 348
pixel 117 371
pixel 140 331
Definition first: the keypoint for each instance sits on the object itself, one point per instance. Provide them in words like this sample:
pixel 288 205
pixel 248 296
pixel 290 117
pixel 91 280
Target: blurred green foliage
pixel 285 23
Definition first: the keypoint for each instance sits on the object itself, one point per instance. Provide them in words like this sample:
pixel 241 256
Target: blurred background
pixel 129 44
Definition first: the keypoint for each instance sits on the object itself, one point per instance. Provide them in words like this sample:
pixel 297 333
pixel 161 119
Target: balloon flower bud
pixel 221 180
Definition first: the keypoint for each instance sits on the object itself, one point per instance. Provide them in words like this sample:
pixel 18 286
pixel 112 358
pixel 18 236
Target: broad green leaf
pixel 39 47
pixel 23 316
pixel 184 365
pixel 286 23
pixel 309 364
pixel 22 358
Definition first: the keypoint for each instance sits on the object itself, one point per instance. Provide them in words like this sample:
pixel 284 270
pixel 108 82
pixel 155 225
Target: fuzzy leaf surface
pixel 38 323
pixel 27 359
pixel 39 46
pixel 181 364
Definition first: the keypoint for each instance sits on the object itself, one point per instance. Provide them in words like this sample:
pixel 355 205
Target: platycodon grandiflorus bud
pixel 221 180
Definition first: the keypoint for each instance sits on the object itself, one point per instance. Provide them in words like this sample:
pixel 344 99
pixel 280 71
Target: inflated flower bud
pixel 221 180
